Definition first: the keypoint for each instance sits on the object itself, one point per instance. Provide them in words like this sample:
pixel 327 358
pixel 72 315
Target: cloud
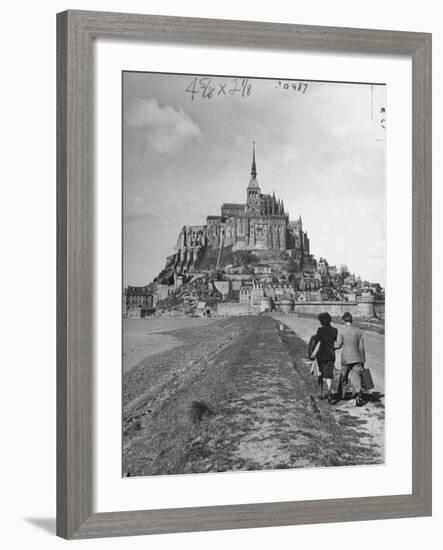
pixel 165 129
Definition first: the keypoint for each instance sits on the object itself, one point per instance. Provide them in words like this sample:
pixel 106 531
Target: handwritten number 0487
pixel 295 86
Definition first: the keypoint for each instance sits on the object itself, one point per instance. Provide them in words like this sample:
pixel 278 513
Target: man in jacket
pixel 353 357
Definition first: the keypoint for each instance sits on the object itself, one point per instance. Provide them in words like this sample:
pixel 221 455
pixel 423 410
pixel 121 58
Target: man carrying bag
pixel 353 359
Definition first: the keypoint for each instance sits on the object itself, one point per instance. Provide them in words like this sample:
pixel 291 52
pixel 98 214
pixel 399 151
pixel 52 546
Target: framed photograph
pixel 244 274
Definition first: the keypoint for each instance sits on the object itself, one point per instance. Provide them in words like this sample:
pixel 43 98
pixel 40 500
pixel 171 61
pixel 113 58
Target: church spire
pixel 253 168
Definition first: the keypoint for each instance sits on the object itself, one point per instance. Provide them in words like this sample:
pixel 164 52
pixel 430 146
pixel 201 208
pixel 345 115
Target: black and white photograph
pixel 254 273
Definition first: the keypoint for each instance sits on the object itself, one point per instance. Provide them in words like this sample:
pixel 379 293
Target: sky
pixel 187 148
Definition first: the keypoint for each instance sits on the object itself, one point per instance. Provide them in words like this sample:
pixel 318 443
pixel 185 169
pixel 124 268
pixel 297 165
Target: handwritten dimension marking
pixel 300 87
pixel 208 88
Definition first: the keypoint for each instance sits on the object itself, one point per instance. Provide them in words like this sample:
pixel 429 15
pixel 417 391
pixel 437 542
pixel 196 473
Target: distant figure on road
pixel 352 358
pixel 327 336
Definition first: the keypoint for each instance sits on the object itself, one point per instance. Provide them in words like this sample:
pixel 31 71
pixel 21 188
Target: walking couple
pixel 323 347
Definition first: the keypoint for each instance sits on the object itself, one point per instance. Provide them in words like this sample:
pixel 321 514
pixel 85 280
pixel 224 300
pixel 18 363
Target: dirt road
pixel 371 417
pixel 305 327
pixel 237 395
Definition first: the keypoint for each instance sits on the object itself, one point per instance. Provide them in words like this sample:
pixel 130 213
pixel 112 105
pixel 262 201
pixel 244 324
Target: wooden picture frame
pixel 76 31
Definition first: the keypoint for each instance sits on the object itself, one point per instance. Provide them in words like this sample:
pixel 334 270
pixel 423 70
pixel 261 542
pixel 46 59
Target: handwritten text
pixel 292 86
pixel 208 88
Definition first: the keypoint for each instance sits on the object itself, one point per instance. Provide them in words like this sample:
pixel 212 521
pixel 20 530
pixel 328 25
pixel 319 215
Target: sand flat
pixel 145 337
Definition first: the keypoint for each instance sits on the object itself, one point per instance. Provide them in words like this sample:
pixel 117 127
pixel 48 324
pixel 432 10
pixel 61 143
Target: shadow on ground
pixel 45 524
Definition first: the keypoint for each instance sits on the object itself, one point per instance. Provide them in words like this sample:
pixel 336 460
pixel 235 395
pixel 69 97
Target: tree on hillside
pixel 343 270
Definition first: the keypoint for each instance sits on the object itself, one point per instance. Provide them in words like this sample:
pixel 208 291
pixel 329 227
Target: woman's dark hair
pixel 325 319
pixel 347 317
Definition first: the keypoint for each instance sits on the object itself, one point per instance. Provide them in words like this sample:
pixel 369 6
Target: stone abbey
pixel 261 223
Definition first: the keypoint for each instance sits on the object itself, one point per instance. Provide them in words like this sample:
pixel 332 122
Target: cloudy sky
pixel 186 149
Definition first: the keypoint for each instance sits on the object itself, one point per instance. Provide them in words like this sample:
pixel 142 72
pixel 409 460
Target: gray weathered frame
pixel 76 31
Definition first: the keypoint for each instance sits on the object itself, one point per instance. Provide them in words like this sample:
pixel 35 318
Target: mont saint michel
pixel 253 263
pixel 249 259
pixel 261 223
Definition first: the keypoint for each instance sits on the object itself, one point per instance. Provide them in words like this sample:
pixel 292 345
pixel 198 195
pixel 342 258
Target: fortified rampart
pixel 364 308
pixel 227 309
pixel 379 307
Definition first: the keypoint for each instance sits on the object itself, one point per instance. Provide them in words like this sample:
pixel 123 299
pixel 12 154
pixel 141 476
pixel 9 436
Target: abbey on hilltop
pixel 261 223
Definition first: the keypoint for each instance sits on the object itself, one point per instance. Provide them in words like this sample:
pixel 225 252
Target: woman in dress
pixel 327 337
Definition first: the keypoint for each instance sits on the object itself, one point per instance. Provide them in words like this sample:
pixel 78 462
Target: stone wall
pixel 336 309
pixel 379 307
pixel 233 308
pixel 362 309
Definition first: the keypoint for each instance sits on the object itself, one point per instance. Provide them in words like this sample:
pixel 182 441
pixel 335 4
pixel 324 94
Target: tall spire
pixel 253 168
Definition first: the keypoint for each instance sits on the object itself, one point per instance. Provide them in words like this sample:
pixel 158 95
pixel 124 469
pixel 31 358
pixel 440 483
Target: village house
pixel 138 302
